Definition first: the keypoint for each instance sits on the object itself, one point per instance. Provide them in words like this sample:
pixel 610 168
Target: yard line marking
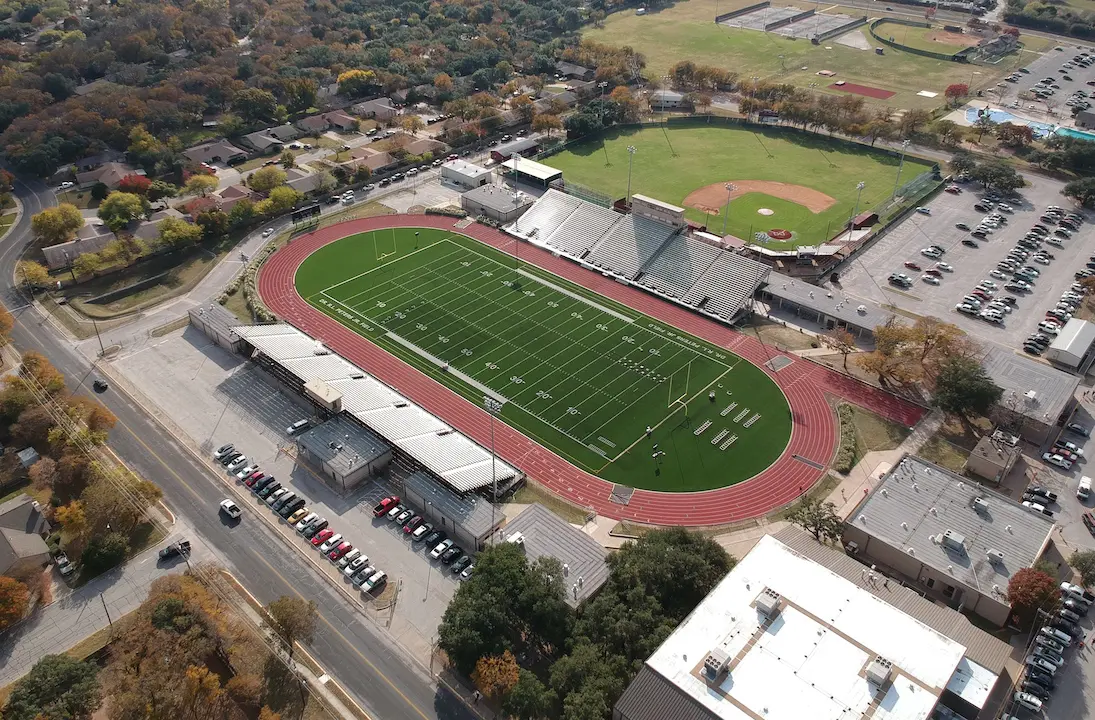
pixel 576 296
pixel 441 363
pixel 402 257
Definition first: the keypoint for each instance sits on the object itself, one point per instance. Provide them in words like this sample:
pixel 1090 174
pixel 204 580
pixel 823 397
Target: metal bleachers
pixel 579 232
pixel 546 215
pixel 678 266
pixel 628 246
pixel 726 285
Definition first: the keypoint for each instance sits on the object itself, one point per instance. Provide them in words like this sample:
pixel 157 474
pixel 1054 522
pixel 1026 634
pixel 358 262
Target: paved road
pixel 350 648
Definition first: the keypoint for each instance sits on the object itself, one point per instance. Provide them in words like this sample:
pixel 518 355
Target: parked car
pixel 1078 429
pixel 1044 492
pixel 460 564
pixel 441 548
pixel 180 548
pixel 385 505
pixel 331 543
pixel 410 525
pixel 223 450
pixel 315 528
pixel 322 536
pixel 421 532
pixel 1058 460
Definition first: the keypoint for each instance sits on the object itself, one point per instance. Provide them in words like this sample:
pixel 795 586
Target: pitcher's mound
pixel 766 211
pixel 712 198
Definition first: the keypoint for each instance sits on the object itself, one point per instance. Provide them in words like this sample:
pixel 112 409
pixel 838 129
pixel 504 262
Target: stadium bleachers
pixel 649 254
pixel 726 285
pixel 678 266
pixel 585 226
pixel 628 246
pixel 545 216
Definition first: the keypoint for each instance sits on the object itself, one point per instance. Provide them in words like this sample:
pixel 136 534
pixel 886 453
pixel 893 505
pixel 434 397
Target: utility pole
pixel 900 164
pixel 109 621
pixel 730 188
pixel 630 160
pixel 851 218
pixel 492 406
pixel 102 350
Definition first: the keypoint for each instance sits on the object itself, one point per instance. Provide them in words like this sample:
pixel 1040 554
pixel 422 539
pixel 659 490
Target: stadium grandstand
pixel 658 257
pixel 305 364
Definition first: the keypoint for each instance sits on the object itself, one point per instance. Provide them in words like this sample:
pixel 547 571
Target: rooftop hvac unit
pixel 954 541
pixel 400 404
pixel 981 505
pixel 716 663
pixel 768 602
pixel 517 539
pixel 995 556
pixel 879 670
pixel 357 376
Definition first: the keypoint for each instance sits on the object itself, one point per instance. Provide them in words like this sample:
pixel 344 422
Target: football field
pixel 613 391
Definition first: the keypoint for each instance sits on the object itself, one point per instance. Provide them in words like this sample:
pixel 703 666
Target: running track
pixel 814 433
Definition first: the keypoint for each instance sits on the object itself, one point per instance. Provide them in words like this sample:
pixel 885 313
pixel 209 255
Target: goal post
pixel 678 388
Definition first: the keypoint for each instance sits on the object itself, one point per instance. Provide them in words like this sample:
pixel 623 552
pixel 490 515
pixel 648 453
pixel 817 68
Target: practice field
pixel 686 31
pixel 672 163
pixel 615 392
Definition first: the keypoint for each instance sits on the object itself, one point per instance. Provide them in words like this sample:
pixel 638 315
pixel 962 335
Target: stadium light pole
pixel 492 406
pixel 630 160
pixel 730 188
pixel 603 84
pixel 851 218
pixel 900 164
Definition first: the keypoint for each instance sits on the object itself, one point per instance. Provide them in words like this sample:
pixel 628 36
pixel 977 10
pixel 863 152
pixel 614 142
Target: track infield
pixel 614 392
pixel 806 386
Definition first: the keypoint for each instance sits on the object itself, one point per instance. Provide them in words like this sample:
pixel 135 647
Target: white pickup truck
pixel 1077 593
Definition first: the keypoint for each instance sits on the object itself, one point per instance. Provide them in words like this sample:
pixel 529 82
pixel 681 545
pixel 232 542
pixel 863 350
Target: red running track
pixel 814 432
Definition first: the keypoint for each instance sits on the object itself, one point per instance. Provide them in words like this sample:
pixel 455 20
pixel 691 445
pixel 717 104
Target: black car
pixel 451 554
pixel 315 528
pixel 1065 626
pixel 100 386
pixel 970 243
pixel 181 548
pixel 434 539
pixel 462 562
pixel 1032 350
pixel 269 490
pixel 1041 677
pixel 291 507
pixel 262 483
pixel 1075 606
pixel 231 458
pixel 1036 690
pixel 1044 492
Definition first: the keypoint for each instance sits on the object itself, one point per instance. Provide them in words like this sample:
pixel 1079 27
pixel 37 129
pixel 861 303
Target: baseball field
pixel 614 392
pixel 791 181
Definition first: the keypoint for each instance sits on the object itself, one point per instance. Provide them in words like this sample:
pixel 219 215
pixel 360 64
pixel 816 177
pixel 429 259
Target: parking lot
pixel 866 277
pixel 215 397
pixel 1047 66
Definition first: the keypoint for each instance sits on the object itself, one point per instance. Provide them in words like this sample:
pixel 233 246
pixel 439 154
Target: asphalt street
pixel 348 646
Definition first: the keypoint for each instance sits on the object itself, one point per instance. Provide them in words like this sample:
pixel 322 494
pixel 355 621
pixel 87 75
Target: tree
pixel 354 83
pixel 1082 191
pixel 7 323
pixel 134 183
pixel 956 92
pixel 1083 562
pixel 266 179
pixel 160 190
pixel 547 123
pixel 57 224
pixel 983 124
pixel 99 191
pixel 913 120
pixel 33 426
pixel 1030 590
pixel 963 387
pixel 200 184
pixel 947 130
pixel 1011 135
pixel 995 175
pixel 442 82
pixel 35 365
pixel 817 518
pixel 412 124
pixel 14 600
pixel 963 162
pixel 255 105
pixel 33 273
pixel 72 518
pixel 496 675
pixel 842 341
pixel 42 473
pixel 283 199
pixel 524 106
pixel 529 699
pixel 119 209
pixel 58 687
pixel 293 620
pixel 177 232
pixel 104 552
pixel 287 160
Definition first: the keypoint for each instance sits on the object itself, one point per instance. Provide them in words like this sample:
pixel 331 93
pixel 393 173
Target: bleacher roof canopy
pixel 448 454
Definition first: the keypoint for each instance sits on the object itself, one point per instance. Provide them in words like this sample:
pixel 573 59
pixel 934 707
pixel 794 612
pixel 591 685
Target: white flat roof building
pixel 532 170
pixel 465 174
pixel 1072 347
pixel 784 637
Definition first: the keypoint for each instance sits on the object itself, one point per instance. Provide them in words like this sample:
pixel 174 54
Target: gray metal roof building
pixel 468 518
pixel 496 201
pixel 1072 347
pixel 583 558
pixel 346 451
pixel 1037 391
pixel 820 304
pixel 948 534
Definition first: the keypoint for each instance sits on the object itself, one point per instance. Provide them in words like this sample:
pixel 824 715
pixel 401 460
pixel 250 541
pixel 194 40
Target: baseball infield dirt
pixel 712 198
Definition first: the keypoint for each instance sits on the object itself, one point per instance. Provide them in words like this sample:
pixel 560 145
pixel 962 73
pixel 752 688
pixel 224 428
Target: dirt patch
pixel 712 198
pixel 950 38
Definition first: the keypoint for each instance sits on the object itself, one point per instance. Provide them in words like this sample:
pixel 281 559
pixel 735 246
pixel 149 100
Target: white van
pixel 1083 491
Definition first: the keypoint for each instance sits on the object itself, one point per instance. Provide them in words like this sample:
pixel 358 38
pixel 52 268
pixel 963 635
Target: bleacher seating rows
pixel 582 229
pixel 678 266
pixel 545 216
pixel 726 285
pixel 630 243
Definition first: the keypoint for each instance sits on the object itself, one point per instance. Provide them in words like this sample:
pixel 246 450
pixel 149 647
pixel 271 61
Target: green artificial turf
pixel 580 374
pixel 671 162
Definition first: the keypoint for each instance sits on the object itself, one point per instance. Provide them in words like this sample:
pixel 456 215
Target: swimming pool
pixel 1078 134
pixel 1002 116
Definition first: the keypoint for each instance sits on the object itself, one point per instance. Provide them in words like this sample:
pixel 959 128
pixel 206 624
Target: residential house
pixel 22 529
pixel 215 151
pixel 334 120
pixel 548 99
pixel 109 174
pixel 570 70
pixel 92 237
pixel 230 196
pixel 272 139
pixel 422 146
pixel 373 159
pixel 379 109
pixel 98 160
pixel 302 182
pixel 149 230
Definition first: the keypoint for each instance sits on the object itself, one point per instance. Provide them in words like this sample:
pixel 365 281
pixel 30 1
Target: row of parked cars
pixel 442 547
pixel 1066 224
pixel 292 508
pixel 1046 654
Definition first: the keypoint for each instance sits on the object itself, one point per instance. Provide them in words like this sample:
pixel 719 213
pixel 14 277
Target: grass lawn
pixel 182 275
pixel 529 493
pixel 79 198
pixel 921 38
pixel 943 453
pixel 6 221
pixel 873 432
pixel 686 31
pixel 582 375
pixel 709 155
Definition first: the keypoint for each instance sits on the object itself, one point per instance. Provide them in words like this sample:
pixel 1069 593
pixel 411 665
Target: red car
pixel 410 525
pixel 1089 521
pixel 385 505
pixel 321 537
pixel 933 272
pixel 911 265
pixel 254 478
pixel 339 551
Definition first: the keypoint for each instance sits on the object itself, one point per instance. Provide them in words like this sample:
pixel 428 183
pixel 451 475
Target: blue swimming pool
pixel 1078 134
pixel 1002 116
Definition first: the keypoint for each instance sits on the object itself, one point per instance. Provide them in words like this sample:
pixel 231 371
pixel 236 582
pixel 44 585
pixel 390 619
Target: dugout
pixel 530 171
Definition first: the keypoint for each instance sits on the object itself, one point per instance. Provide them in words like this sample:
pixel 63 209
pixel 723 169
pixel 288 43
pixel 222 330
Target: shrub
pixel 104 552
pixel 845 454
